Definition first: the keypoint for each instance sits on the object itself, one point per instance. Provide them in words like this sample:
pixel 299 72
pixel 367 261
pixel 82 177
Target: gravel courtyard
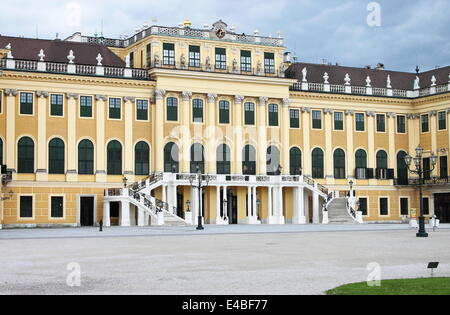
pixel 220 260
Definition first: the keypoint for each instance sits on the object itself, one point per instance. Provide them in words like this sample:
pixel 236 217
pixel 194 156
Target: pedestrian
pixel 101 225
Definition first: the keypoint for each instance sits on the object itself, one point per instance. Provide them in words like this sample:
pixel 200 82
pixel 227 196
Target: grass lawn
pixel 422 286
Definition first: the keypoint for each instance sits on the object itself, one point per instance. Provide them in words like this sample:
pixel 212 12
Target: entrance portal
pixel 87 211
pixel 442 207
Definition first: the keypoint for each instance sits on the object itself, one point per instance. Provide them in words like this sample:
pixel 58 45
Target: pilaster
pixel 72 100
pixel 41 172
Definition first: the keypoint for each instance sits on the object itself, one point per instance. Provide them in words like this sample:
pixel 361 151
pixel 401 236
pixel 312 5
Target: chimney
pixel 380 66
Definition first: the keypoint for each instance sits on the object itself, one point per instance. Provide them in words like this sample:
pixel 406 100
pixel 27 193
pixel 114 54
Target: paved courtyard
pixel 220 260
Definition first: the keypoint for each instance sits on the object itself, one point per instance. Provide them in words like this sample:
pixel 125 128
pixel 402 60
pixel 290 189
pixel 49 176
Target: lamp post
pixel 417 168
pixel 225 209
pixel 188 204
pixel 124 180
pixel 279 169
pixel 258 202
pixel 351 187
pixel 199 186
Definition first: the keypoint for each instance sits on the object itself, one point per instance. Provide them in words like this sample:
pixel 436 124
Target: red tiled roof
pixel 57 51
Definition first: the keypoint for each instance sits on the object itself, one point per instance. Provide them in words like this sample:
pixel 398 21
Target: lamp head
pixel 408 160
pixel 419 151
pixel 417 161
pixel 433 159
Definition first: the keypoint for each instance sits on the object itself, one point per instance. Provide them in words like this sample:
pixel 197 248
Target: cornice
pixel 352 98
pixel 77 79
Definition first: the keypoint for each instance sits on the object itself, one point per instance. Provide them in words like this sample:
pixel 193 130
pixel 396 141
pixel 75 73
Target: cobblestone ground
pixel 221 260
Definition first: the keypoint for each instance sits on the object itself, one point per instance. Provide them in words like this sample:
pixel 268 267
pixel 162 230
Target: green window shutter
pixel 168 54
pixel 114 156
pixel 142 109
pixel 57 207
pixel 317 119
pixel 295 118
pixel 360 121
pixel 401 124
pixel 381 123
pixel 273 115
pixel 172 109
pixel 26 103
pixel 246 61
pixel 194 56
pixel 384 210
pixel 171 158
pixel 269 62
pixel 317 163
pixel 56 156
pixel 85 158
pixel 197 110
pixel 442 120
pixel 339 164
pixel 26 206
pixel 338 121
pixel 142 158
pixel 86 106
pixel 56 105
pixel 25 154
pixel 224 112
pixel 221 58
pixel 363 205
pixel 249 109
pixel 114 108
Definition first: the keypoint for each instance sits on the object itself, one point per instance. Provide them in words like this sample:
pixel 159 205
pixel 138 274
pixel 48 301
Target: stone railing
pixel 184 32
pixel 66 68
pixel 374 91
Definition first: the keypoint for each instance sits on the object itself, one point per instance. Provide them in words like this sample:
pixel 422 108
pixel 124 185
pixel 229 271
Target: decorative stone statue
pixel 368 81
pixel 259 67
pixel 71 57
pixel 99 59
pixel 282 69
pixel 234 65
pixel 208 63
pixel 325 78
pixel 41 55
pixel 347 79
pixel 389 86
pixel 433 81
pixel 156 60
pixel 304 73
pixel 417 83
pixel 182 61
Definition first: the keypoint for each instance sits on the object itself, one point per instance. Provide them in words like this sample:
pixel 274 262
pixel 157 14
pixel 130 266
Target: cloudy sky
pixel 410 32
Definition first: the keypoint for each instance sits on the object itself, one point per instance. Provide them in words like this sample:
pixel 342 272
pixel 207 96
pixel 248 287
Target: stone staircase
pixel 337 212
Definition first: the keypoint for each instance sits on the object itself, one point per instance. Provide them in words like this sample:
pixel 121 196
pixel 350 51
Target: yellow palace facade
pixel 118 130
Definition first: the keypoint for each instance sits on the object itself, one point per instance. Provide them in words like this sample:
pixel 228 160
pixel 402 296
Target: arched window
pixel 382 164
pixel 317 163
pixel 295 161
pixel 56 156
pixel 402 170
pixel 1 151
pixel 223 159
pixel 114 158
pixel 273 161
pixel 197 158
pixel 25 155
pixel 171 159
pixel 172 108
pixel 339 164
pixel 361 164
pixel 142 158
pixel 85 157
pixel 249 160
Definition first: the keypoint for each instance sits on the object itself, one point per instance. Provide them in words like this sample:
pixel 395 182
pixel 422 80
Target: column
pixel 371 144
pixel 72 100
pixel 210 135
pixel 158 130
pixel 10 144
pixel 41 172
pixel 392 154
pixel 351 166
pixel 225 210
pixel 249 203
pixel 328 113
pixel 299 207
pixel 433 134
pixel 285 141
pixel 281 202
pixel 100 174
pixel 141 217
pixel 316 215
pixel 106 214
pixel 128 103
pixel 307 166
pixel 185 154
pixel 262 137
pixel 255 205
pixel 218 201
pixel 270 212
pixel 238 135
pixel 164 193
pixel 125 214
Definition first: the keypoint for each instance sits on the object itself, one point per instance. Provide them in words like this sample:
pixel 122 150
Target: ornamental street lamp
pixel 199 186
pixel 188 204
pixel 258 203
pixel 10 194
pixel 225 209
pixel 415 166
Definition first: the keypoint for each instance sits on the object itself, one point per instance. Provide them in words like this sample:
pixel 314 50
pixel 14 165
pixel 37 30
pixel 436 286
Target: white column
pixel 225 210
pixel 125 214
pixel 72 99
pixel 255 206
pixel 316 217
pixel 106 214
pixel 249 202
pixel 299 207
pixel 270 202
pixel 41 172
pixel 164 193
pixel 218 217
pixel 280 210
pixel 141 217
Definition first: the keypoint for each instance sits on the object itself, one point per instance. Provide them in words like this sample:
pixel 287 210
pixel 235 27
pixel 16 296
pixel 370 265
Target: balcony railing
pixel 76 69
pixel 433 181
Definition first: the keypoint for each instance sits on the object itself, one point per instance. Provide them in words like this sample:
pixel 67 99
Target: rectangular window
pixel 338 121
pixel 114 108
pixel 149 55
pixel 381 123
pixel 131 59
pixel 26 103
pixel 249 109
pixel 425 123
pixel 56 105
pixel 443 169
pixel 172 109
pixel 404 207
pixel 221 59
pixel 194 56
pixel 141 109
pixel 426 168
pixel 426 206
pixel 360 121
pixel 246 61
pixel 197 110
pixel 295 118
pixel 363 205
pixel 269 62
pixel 384 206
pixel 57 207
pixel 224 112
pixel 26 206
pixel 85 106
pixel 273 115
pixel 169 54
pixel 401 124
pixel 442 118
pixel 317 119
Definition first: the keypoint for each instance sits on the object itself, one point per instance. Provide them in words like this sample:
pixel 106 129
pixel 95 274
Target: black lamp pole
pixel 199 186
pixel 418 169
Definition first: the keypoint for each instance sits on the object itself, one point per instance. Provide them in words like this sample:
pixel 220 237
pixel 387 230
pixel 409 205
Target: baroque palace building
pixel 96 129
